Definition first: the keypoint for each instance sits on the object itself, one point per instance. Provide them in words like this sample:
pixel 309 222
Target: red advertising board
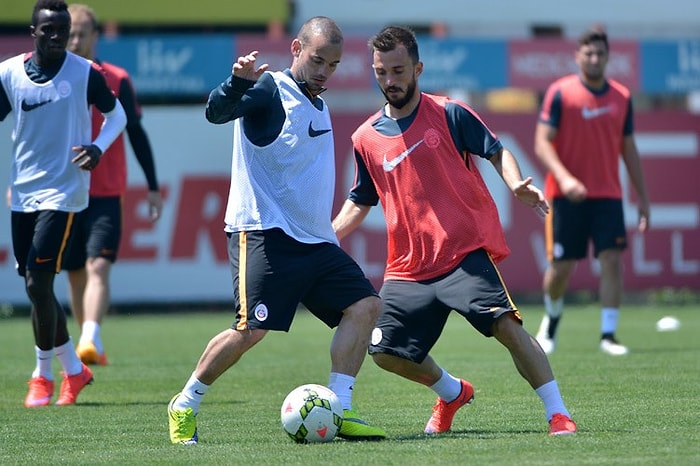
pixel 354 73
pixel 14 45
pixel 534 64
pixel 667 256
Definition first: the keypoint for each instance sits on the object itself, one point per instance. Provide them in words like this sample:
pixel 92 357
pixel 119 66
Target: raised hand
pixel 245 67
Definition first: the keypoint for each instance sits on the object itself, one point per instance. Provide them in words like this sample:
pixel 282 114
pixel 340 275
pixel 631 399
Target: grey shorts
pixel 414 313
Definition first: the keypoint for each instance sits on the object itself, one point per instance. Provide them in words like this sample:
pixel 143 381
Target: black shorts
pixel 96 233
pixel 414 313
pixel 572 225
pixel 272 273
pixel 39 239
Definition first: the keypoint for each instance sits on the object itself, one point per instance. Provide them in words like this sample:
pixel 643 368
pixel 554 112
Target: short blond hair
pixel 78 8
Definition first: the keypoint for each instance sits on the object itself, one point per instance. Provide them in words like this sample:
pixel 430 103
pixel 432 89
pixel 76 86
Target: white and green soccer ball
pixel 312 413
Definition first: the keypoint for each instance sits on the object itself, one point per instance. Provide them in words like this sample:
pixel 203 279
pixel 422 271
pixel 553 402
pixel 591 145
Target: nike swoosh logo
pixel 317 132
pixel 43 260
pixel 588 113
pixel 388 166
pixel 198 392
pixel 29 107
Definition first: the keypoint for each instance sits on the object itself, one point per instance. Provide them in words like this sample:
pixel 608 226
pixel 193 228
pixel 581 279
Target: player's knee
pixel 38 286
pixel 374 308
pixel 384 361
pixel 366 310
pixel 506 326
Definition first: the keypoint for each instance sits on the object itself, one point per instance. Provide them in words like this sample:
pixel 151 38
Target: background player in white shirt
pixel 50 91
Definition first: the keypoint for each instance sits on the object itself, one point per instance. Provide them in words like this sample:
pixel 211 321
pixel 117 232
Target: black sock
pixel 553 324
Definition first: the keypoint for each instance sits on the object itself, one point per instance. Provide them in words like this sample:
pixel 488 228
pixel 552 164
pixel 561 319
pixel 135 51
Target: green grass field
pixel 639 409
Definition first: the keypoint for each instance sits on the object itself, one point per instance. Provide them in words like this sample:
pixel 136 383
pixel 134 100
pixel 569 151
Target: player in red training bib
pixel 584 126
pixel 416 157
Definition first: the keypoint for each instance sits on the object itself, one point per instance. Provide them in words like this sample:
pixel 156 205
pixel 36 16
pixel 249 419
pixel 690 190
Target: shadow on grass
pixel 97 404
pixel 660 350
pixel 464 434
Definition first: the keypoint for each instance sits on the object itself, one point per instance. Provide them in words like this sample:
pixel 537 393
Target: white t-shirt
pixel 290 183
pixel 50 118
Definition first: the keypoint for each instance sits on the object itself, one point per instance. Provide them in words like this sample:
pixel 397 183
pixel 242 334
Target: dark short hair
pixel 593 35
pixel 53 5
pixel 390 37
pixel 323 26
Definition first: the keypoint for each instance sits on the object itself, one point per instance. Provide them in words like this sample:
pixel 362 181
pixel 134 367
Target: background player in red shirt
pixel 98 228
pixel 444 236
pixel 585 123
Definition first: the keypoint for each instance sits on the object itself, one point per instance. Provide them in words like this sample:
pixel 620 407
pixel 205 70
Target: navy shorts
pixel 414 313
pixel 273 273
pixel 571 226
pixel 39 239
pixel 96 233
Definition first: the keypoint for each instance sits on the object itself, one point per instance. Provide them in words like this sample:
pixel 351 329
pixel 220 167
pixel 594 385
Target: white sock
pixel 90 332
pixel 341 385
pixel 191 396
pixel 69 360
pixel 553 402
pixel 44 358
pixel 447 387
pixel 554 308
pixel 608 320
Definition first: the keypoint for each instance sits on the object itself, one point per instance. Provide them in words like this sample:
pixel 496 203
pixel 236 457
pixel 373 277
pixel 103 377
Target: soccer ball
pixel 312 413
pixel 668 324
